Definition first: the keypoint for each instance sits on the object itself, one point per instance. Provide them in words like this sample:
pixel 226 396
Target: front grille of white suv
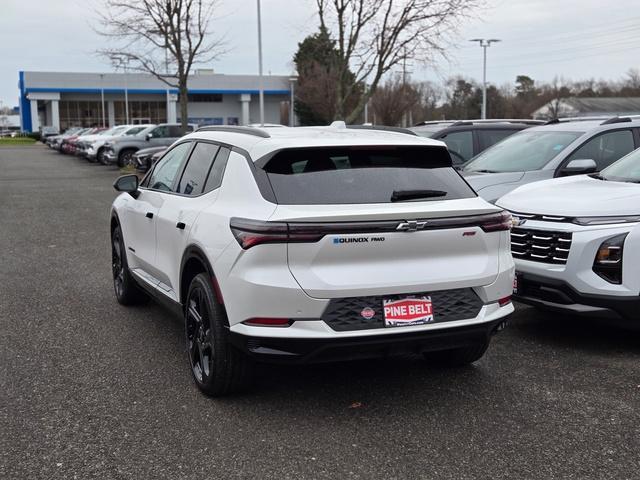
pixel 540 245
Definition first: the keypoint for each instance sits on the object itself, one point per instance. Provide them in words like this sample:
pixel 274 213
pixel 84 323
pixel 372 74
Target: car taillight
pixel 268 322
pixel 250 233
pixel 496 222
pixel 504 301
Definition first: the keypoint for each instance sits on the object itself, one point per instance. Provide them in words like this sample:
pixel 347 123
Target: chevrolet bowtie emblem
pixel 411 226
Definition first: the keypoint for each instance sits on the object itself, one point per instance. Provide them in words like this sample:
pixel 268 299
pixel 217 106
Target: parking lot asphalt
pixel 91 389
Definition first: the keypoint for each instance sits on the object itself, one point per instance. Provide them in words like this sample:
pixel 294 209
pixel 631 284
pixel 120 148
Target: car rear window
pixel 316 176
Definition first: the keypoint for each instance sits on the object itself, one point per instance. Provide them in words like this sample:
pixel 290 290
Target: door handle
pixel 149 215
pixel 180 225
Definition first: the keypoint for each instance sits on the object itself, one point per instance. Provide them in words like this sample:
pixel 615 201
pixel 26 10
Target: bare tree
pixel 374 36
pixel 394 100
pixel 633 79
pixel 165 38
pixel 556 92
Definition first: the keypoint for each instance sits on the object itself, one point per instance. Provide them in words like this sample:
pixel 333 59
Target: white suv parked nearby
pixel 577 243
pixel 312 244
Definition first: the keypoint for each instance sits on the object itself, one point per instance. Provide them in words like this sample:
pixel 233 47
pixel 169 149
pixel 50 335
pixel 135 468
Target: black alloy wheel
pixel 116 263
pixel 218 368
pixel 127 159
pixel 199 336
pixel 125 287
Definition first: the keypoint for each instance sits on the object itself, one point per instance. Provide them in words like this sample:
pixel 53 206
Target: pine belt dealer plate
pixel 407 311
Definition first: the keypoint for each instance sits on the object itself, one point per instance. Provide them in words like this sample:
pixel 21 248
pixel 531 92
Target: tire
pixel 125 287
pixel 457 357
pixel 126 158
pixel 101 158
pixel 218 368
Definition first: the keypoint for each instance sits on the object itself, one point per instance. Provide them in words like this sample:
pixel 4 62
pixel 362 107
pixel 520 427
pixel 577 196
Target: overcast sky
pixel 575 39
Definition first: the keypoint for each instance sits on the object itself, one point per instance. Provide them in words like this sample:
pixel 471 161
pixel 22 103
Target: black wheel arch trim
pixel 195 252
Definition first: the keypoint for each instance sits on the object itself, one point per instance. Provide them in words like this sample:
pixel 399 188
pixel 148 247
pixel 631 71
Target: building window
pixel 140 112
pixel 80 114
pixel 205 97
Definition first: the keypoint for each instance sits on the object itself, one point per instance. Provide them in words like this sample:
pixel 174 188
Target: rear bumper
pixel 558 295
pixel 320 350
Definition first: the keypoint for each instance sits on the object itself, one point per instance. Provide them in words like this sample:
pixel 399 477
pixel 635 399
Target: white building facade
pixel 64 99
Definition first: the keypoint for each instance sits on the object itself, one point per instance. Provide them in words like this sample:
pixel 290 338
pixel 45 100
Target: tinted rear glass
pixel 316 176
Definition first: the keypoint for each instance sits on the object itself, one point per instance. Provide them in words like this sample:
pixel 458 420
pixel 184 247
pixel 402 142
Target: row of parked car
pixel 574 198
pixel 124 145
pixel 572 186
pixel 573 189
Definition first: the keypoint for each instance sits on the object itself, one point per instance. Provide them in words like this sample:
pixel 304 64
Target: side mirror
pixel 579 167
pixel 127 183
pixel 149 136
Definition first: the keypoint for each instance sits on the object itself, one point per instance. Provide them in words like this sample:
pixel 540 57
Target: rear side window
pixel 316 176
pixel 160 132
pixel 215 176
pixel 196 171
pixel 175 131
pixel 460 144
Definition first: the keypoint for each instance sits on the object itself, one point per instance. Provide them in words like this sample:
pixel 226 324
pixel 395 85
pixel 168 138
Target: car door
pixel 142 212
pixel 195 190
pixel 159 136
pixel 604 148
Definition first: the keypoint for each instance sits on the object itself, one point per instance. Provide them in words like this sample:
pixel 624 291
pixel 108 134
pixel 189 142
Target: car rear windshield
pixel 356 175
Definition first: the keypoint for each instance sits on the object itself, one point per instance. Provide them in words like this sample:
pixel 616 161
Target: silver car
pixel 557 149
pixel 120 150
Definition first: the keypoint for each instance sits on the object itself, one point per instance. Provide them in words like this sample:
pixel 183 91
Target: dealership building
pixel 64 99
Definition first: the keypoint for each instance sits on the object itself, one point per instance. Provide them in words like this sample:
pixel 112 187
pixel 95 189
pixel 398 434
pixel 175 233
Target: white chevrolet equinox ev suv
pixel 311 245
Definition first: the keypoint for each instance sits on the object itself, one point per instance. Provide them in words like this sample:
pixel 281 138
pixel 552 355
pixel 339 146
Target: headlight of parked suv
pixel 608 261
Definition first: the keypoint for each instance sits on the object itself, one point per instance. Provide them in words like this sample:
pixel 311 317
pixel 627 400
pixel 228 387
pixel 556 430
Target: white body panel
pixel 297 281
pixel 582 196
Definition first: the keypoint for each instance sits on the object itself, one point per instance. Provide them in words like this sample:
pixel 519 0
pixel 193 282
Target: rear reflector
pixel 504 301
pixel 268 322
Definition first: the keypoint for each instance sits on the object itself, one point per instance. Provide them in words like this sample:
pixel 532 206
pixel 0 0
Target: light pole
pixel 261 86
pixel 126 93
pixel 484 43
pixel 102 98
pixel 121 61
pixel 292 118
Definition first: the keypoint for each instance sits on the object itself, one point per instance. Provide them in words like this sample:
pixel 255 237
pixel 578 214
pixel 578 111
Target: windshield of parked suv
pixel 116 131
pixel 134 130
pixel 522 152
pixel 111 131
pixel 627 169
pixel 338 175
